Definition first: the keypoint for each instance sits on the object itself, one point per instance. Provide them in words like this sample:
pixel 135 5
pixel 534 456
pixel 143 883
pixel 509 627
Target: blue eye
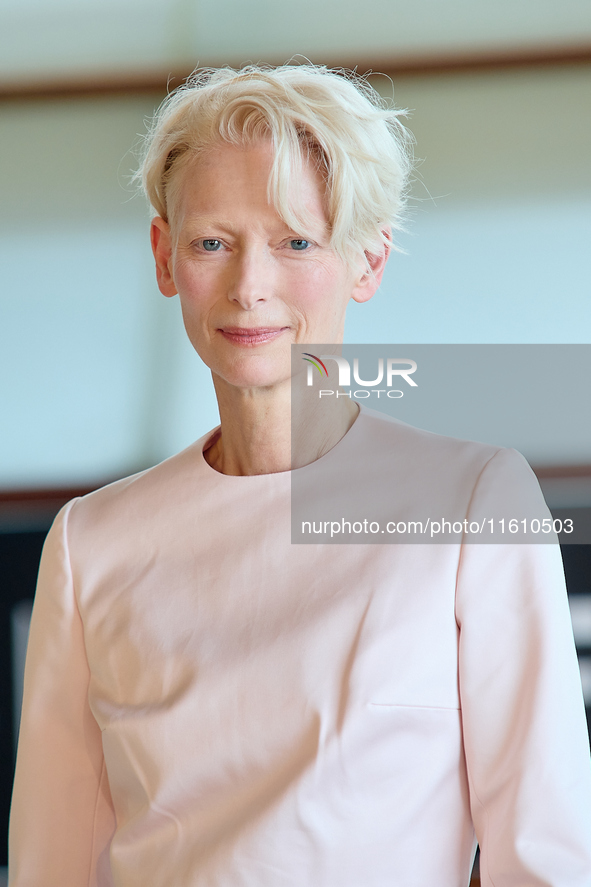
pixel 211 245
pixel 299 244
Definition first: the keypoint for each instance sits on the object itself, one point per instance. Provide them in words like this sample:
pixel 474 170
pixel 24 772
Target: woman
pixel 207 704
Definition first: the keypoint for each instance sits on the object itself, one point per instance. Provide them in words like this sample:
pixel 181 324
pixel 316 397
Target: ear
pixel 371 277
pixel 162 248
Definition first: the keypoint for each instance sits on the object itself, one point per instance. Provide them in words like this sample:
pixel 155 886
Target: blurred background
pixel 97 380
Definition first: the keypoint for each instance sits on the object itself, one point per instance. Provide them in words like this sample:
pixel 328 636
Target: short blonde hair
pixel 334 118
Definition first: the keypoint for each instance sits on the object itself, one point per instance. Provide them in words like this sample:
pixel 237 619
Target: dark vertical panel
pixel 19 562
pixel 577 568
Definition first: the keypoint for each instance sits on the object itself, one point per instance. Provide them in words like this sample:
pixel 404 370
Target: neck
pixel 256 429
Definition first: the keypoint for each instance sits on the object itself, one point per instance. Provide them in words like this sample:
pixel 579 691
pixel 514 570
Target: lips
pixel 251 335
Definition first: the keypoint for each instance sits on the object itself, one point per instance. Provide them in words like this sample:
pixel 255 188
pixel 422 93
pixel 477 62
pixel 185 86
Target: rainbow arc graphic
pixel 315 361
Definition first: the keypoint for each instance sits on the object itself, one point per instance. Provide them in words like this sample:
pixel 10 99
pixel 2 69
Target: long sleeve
pixel 62 816
pixel 523 718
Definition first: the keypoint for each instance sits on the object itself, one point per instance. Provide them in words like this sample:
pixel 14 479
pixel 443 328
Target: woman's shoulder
pixel 382 434
pixel 440 458
pixel 131 501
pixel 397 472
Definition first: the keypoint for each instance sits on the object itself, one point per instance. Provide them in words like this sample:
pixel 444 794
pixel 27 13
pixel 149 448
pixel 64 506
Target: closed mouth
pixel 251 335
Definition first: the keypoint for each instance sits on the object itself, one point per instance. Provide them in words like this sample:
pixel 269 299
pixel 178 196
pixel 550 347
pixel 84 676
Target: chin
pixel 256 373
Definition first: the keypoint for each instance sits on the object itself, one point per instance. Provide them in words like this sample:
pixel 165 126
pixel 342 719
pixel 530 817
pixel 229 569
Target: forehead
pixel 221 168
pixel 227 178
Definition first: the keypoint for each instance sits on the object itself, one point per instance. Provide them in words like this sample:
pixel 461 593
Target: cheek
pixel 326 294
pixel 188 277
pixel 319 287
pixel 196 308
pixel 196 288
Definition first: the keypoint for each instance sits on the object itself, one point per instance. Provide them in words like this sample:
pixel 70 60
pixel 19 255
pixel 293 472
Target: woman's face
pixel 249 285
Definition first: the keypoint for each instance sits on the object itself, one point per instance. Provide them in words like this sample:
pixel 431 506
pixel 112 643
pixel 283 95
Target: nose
pixel 251 280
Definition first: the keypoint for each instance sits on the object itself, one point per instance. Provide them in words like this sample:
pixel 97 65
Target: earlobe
pixel 162 248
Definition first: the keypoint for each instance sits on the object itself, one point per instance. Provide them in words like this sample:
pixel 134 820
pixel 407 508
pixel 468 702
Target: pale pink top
pixel 208 705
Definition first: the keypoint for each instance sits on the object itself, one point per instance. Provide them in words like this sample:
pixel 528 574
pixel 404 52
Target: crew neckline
pixel 210 439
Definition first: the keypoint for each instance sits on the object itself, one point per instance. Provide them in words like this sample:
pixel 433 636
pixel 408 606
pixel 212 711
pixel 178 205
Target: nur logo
pixel 392 368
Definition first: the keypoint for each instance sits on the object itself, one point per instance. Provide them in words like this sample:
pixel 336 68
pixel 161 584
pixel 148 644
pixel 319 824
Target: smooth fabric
pixel 208 705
